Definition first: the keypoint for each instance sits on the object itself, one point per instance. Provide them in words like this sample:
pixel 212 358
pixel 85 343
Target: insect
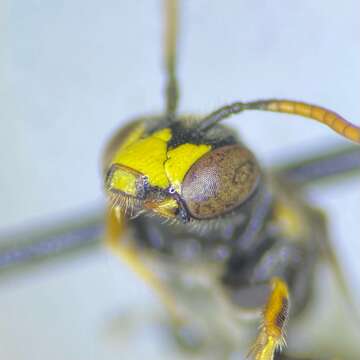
pixel 230 230
pixel 133 204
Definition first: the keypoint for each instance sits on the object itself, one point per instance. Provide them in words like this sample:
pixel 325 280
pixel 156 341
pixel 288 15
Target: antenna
pixel 170 40
pixel 320 114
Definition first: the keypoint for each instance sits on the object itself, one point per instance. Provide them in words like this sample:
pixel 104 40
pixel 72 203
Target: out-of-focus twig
pixel 327 165
pixel 23 249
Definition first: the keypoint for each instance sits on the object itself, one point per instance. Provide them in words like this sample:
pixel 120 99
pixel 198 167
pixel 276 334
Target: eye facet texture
pixel 220 181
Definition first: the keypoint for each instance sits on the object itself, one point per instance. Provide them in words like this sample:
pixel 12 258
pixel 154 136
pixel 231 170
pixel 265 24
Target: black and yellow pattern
pixel 215 214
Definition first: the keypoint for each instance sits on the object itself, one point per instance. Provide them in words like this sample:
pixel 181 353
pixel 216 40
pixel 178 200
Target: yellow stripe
pixel 180 160
pixel 146 156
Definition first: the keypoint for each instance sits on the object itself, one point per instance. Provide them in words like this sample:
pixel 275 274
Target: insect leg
pixel 114 239
pixel 266 280
pixel 275 315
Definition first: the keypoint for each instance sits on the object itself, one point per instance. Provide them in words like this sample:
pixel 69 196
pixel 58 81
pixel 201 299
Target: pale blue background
pixel 73 71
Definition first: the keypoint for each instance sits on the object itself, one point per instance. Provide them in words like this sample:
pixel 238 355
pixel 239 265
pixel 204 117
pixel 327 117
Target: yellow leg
pixel 115 229
pixel 275 314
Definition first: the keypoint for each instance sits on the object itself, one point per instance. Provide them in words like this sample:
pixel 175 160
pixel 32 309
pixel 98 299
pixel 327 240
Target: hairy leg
pixel 271 335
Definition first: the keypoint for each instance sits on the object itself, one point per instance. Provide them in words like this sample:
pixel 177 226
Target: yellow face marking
pixel 147 156
pixel 124 181
pixel 180 159
pixel 163 134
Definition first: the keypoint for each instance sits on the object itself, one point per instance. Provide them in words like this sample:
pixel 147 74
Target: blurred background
pixel 73 72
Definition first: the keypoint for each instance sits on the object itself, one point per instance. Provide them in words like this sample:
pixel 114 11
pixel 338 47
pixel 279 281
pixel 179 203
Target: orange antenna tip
pixel 320 114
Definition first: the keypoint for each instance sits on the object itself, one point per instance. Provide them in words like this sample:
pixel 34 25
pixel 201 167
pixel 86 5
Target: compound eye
pixel 220 181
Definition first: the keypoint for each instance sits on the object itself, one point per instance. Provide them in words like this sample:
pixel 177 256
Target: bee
pixel 220 239
pixel 192 212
